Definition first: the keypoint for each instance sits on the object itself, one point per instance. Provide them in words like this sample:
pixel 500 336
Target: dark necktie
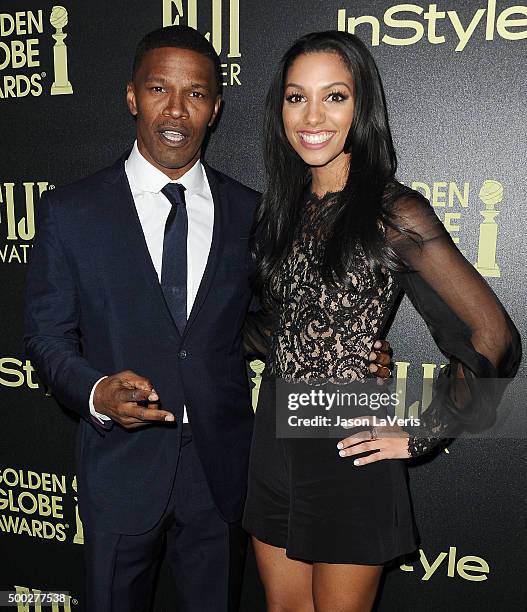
pixel 174 266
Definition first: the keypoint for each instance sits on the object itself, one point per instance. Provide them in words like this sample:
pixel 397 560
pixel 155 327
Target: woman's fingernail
pixel 340 445
pixel 356 462
pixel 342 453
pixel 377 344
pixel 169 417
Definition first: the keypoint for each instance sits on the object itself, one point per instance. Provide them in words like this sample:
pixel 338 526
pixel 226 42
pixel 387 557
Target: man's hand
pixel 117 397
pixel 381 359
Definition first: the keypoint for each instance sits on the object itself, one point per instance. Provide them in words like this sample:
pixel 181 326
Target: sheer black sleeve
pixel 466 319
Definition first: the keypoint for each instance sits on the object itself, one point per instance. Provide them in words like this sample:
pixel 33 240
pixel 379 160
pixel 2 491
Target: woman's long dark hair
pixel 362 209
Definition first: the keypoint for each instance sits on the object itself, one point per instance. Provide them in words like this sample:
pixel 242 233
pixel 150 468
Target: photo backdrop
pixel 454 75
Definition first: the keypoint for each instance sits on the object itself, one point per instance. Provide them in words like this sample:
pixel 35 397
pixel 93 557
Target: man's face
pixel 174 97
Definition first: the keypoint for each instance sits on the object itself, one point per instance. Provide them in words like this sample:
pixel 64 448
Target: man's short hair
pixel 179 37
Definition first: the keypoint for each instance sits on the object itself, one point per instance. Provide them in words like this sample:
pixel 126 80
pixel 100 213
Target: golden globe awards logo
pixel 407 24
pixel 17 219
pixel 225 39
pixel 454 204
pixel 39 505
pixel 21 34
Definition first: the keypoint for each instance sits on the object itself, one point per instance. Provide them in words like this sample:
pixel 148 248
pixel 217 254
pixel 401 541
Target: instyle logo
pixel 17 219
pixel 438 23
pixel 226 41
pixel 469 567
pixel 39 505
pixel 15 373
pixel 22 33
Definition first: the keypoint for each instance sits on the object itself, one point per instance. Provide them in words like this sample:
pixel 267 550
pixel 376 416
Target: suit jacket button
pixel 182 354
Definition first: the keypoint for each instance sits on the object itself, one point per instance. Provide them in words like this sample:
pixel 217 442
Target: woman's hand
pixel 390 442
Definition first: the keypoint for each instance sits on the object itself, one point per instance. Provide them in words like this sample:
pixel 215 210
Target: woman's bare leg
pixel 345 587
pixel 287 583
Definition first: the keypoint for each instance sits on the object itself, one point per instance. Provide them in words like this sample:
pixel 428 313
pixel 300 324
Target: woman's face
pixel 318 108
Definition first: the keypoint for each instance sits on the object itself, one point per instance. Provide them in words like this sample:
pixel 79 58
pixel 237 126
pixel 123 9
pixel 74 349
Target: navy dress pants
pixel 205 554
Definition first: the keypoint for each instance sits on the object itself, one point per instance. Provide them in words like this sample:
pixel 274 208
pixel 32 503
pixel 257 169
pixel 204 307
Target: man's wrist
pixel 98 415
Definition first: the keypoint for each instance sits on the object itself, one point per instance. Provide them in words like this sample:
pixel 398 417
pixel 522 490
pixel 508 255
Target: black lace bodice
pixel 325 333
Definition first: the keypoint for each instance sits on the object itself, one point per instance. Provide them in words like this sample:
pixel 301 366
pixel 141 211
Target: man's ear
pixel 217 106
pixel 130 98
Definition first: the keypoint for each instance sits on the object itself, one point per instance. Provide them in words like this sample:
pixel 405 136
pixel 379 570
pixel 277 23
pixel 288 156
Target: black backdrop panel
pixel 454 79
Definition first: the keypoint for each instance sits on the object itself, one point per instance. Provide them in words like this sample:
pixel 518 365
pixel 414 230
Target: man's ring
pixel 373 433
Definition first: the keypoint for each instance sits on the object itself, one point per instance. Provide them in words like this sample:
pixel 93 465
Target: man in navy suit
pixel 136 299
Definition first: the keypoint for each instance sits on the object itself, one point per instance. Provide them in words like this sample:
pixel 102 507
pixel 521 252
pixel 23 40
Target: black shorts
pixel 320 507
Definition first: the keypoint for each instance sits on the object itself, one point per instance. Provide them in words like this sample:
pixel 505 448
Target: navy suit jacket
pixel 95 307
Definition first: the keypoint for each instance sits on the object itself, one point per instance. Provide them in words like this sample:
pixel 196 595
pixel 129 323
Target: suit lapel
pixel 218 197
pixel 128 225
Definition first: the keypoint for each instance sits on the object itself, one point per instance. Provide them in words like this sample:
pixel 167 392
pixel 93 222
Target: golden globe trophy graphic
pixel 257 367
pixel 491 193
pixel 78 538
pixel 59 20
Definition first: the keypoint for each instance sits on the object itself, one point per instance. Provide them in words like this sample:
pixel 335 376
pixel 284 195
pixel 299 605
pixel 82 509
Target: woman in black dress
pixel 337 238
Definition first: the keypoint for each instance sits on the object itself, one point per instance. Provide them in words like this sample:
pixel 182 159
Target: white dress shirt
pixel 153 207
